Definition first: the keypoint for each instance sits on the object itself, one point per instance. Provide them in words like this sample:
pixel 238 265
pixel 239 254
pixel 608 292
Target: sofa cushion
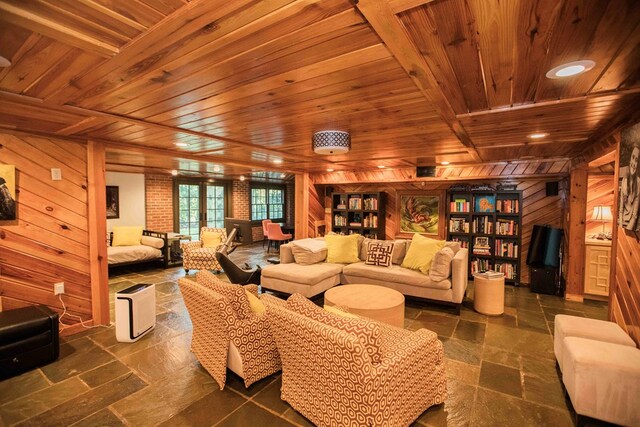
pixel 211 239
pixel 126 236
pixel 421 253
pixel 234 293
pixel 395 274
pixel 379 253
pixel 304 274
pixel 454 246
pixel 309 251
pixel 202 254
pixel 441 264
pixel 367 331
pixel 342 249
pixel 154 242
pixel 399 249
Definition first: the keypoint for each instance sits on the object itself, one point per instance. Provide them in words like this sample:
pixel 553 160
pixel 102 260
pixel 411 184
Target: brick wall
pixel 241 206
pixel 159 198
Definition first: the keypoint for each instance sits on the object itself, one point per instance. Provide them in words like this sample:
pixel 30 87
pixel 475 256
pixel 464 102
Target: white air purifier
pixel 135 312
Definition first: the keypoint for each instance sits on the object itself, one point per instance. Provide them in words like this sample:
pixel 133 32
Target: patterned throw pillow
pixel 367 331
pixel 234 293
pixel 379 253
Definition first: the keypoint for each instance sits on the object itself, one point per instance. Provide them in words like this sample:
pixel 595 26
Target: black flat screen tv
pixel 544 249
pixel 244 234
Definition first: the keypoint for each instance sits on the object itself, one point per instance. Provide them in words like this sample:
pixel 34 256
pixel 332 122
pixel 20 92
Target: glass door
pixel 200 204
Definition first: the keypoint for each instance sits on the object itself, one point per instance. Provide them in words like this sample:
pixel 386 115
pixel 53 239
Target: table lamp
pixel 602 214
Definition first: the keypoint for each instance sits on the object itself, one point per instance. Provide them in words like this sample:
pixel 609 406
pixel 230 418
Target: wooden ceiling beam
pixel 399 6
pixel 386 24
pixel 41 24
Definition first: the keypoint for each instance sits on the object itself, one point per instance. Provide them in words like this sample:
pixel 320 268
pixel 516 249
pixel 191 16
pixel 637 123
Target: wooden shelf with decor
pixel 488 223
pixel 361 213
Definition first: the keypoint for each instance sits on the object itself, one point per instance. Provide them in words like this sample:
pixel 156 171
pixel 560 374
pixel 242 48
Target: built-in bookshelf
pixel 489 224
pixel 361 213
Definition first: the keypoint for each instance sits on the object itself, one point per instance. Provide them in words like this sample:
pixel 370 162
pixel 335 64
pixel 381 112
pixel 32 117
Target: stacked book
pixel 506 227
pixel 490 274
pixel 508 206
pixel 459 205
pixel 458 225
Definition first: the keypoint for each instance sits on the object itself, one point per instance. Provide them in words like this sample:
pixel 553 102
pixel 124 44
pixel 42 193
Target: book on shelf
pixel 463 243
pixel 506 227
pixel 479 265
pixel 459 205
pixel 482 225
pixel 355 224
pixel 341 206
pixel 510 270
pixel 371 220
pixel 506 248
pixel 371 204
pixel 508 206
pixel 458 225
pixel 355 203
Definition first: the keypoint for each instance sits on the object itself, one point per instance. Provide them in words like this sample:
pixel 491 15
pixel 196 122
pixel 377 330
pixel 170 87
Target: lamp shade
pixel 331 142
pixel 602 213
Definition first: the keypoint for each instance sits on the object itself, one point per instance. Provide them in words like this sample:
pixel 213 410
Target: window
pixel 267 202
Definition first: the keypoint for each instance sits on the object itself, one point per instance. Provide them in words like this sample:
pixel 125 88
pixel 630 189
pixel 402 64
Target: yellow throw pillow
pixel 421 253
pixel 126 236
pixel 211 239
pixel 335 310
pixel 257 306
pixel 342 249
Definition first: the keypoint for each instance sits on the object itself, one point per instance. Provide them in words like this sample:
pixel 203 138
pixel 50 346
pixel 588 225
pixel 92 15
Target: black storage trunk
pixel 28 339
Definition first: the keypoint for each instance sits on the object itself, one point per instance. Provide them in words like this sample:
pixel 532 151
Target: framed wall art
pixel 113 202
pixel 420 212
pixel 629 179
pixel 7 192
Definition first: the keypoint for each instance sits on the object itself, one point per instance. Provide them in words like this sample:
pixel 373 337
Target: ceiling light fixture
pixel 4 62
pixel 331 142
pixel 242 178
pixel 282 175
pixel 445 163
pixel 381 166
pixel 277 161
pixel 216 168
pixel 174 172
pixel 570 69
pixel 181 144
pixel 330 169
pixel 537 135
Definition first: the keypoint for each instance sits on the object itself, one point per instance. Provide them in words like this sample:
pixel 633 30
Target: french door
pixel 199 204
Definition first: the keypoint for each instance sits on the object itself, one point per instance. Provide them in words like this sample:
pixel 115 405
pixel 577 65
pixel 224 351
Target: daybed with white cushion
pixel 152 247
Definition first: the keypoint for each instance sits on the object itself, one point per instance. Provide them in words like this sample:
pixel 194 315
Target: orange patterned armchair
pixel 227 335
pixel 334 376
pixel 196 257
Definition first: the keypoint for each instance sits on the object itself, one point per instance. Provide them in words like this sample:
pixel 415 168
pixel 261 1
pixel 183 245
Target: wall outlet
pixel 58 288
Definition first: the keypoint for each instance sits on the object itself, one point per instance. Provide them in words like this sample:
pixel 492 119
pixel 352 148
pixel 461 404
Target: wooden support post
pixel 577 232
pixel 97 216
pixel 302 205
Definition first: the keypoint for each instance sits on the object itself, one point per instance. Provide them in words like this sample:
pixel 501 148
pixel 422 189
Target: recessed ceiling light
pixel 537 135
pixel 381 166
pixel 216 168
pixel 4 62
pixel 174 172
pixel 282 175
pixel 242 178
pixel 570 69
pixel 181 144
pixel 330 169
pixel 277 161
pixel 444 163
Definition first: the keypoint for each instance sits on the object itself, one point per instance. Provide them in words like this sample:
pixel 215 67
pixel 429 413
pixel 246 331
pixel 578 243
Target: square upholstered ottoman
pixel 599 330
pixel 603 380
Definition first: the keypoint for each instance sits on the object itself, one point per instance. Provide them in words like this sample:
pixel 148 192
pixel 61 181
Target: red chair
pixel 276 235
pixel 265 231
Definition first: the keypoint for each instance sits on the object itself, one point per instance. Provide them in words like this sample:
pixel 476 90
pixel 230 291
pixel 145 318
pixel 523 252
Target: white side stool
pixel 603 380
pixel 599 330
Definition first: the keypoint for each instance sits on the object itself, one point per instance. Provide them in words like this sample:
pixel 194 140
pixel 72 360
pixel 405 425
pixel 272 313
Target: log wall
pixel 49 240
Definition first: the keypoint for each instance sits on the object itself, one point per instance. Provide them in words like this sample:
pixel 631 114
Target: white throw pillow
pixel 154 242
pixel 441 264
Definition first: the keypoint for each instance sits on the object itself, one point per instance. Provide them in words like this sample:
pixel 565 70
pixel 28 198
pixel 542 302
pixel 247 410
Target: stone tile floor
pixel 501 369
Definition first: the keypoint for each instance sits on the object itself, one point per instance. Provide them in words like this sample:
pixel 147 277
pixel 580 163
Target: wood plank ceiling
pixel 246 83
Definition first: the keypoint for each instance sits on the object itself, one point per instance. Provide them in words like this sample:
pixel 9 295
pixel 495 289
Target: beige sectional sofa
pixel 310 280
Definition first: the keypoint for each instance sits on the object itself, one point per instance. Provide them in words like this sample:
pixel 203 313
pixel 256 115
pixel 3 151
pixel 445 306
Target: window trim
pixel 268 186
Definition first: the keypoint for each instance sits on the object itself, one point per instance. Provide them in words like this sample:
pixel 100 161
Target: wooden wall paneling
pixel 316 207
pixel 98 232
pixel 49 241
pixel 599 193
pixel 302 190
pixel 577 224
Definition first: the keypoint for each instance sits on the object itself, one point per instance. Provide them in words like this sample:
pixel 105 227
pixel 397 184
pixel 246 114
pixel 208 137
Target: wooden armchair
pixel 197 257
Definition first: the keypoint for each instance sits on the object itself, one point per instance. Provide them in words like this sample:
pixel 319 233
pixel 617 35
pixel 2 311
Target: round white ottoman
pixel 488 295
pixel 376 302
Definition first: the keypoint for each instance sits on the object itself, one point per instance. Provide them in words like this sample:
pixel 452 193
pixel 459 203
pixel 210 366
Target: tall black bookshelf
pixel 358 213
pixel 489 224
